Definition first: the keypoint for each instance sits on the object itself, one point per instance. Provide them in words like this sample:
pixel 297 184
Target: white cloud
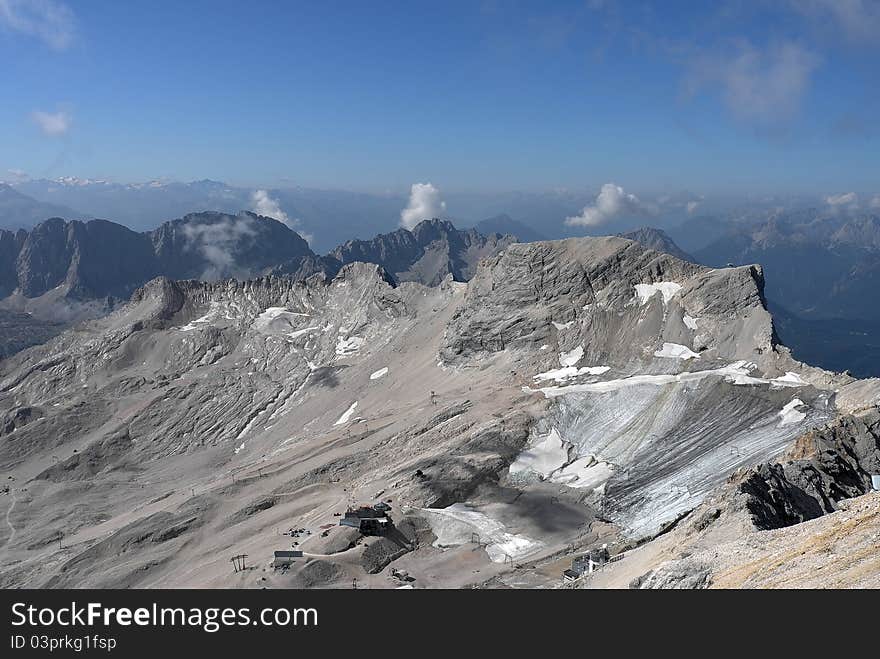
pixel 845 201
pixel 612 201
pixel 761 85
pixel 692 207
pixel 875 201
pixel 49 20
pixel 424 204
pixel 265 205
pixel 53 124
pixel 858 20
pixel 218 242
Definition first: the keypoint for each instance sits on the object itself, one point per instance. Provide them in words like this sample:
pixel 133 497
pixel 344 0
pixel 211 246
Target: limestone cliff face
pixel 100 258
pixel 616 299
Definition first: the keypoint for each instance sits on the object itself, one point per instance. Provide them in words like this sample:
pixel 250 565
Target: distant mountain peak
pixel 99 258
pixel 658 240
pixel 429 252
pixel 503 224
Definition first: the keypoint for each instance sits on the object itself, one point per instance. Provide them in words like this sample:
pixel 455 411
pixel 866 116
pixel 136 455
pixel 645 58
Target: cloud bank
pixel 52 22
pixel 611 202
pixel 424 204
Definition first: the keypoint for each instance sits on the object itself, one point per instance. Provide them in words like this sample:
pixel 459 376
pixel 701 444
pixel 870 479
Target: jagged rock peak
pixel 429 252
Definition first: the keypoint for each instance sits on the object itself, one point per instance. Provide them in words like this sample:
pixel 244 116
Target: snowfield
pixel 549 459
pixel 736 373
pixel 347 414
pixel 457 524
pixel 562 374
pixel 668 289
pixel 571 357
pixel 790 415
pixel 213 313
pixel 587 472
pixel 543 458
pixel 676 351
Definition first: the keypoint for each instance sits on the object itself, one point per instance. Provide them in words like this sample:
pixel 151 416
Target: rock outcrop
pixel 428 253
pixel 825 466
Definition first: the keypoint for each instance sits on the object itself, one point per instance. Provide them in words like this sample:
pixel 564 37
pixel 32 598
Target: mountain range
pixel 823 273
pixel 817 268
pixel 64 271
pixel 18 211
pixel 98 258
pixel 582 397
pixel 329 217
pixel 822 266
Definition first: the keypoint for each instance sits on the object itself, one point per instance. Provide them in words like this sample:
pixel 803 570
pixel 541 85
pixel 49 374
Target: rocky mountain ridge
pixel 428 253
pixel 573 392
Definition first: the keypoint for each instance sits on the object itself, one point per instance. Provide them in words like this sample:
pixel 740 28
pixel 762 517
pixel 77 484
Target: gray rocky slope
pixel 62 271
pixel 572 392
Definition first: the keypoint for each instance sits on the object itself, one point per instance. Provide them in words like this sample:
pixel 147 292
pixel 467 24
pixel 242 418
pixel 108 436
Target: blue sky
pixel 738 97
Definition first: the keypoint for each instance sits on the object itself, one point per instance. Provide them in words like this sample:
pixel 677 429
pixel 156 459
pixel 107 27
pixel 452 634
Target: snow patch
pixel 790 379
pixel 375 375
pixel 270 314
pixel 587 472
pixel 571 357
pixel 666 288
pixel 690 322
pixel 549 459
pixel 543 458
pixel 676 351
pixel 737 369
pixel 790 415
pixel 562 326
pixel 561 374
pixel 456 525
pixel 213 312
pixel 347 414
